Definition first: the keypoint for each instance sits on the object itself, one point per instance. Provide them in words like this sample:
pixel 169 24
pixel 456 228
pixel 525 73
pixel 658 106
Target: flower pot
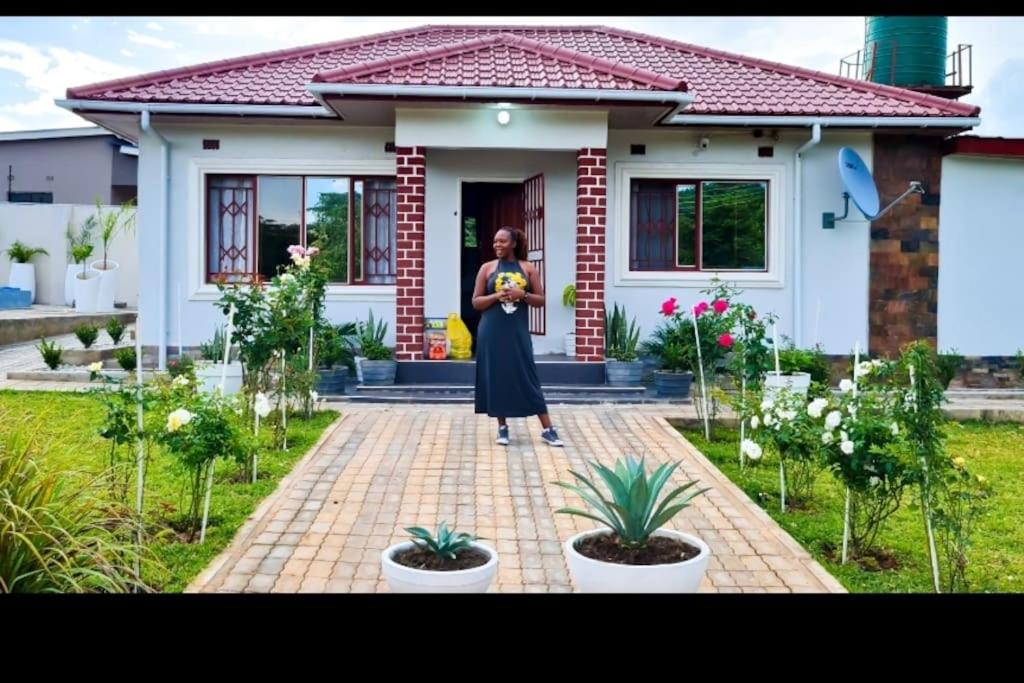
pixel 596 576
pixel 570 344
pixel 402 579
pixel 23 276
pixel 797 382
pixel 673 384
pixel 87 287
pixel 379 372
pixel 623 374
pixel 359 368
pixel 208 376
pixel 73 269
pixel 109 277
pixel 331 382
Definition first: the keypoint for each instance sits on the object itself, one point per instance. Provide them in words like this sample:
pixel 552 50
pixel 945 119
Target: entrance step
pixel 550 370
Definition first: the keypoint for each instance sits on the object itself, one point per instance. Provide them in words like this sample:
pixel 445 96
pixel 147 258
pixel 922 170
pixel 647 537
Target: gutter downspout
pixel 798 297
pixel 165 182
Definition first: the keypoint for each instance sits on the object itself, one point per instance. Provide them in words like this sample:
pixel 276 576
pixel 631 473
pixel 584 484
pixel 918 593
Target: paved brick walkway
pixel 382 468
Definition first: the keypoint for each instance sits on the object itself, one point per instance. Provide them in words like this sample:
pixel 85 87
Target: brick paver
pixel 382 468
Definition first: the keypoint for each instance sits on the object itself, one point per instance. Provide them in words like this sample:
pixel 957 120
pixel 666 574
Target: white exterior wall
pixel 835 261
pixel 981 237
pixel 295 148
pixel 446 169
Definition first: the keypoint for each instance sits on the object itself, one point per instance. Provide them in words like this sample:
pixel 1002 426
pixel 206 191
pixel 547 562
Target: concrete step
pixel 32 325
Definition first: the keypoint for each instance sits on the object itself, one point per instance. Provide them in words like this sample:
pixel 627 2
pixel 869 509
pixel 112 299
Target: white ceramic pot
pixel 570 344
pixel 87 287
pixel 72 270
pixel 208 376
pixel 109 277
pixel 595 576
pixel 23 276
pixel 797 383
pixel 402 579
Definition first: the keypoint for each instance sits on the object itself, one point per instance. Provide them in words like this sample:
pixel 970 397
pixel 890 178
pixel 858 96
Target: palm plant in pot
pixel 623 366
pixel 632 553
pixel 111 223
pixel 449 562
pixel 569 301
pixel 77 241
pixel 335 346
pixel 87 282
pixel 23 271
pixel 377 361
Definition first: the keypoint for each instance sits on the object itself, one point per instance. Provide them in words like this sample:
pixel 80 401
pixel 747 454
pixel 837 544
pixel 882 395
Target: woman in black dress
pixel 506 374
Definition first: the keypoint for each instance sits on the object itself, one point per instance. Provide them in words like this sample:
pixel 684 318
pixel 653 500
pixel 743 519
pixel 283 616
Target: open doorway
pixel 486 207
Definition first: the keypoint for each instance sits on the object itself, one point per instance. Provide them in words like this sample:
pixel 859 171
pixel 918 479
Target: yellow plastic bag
pixel 460 338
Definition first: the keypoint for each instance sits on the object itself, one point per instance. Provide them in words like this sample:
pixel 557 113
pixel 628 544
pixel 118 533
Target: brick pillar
pixel 904 277
pixel 411 185
pixel 591 183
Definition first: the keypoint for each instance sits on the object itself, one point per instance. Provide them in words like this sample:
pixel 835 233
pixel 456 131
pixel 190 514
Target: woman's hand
pixel 514 294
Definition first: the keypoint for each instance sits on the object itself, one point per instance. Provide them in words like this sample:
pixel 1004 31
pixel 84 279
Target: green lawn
pixel 997 558
pixel 65 426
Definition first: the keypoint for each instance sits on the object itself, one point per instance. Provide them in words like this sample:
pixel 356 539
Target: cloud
pixel 127 53
pixel 153 26
pixel 47 73
pixel 143 39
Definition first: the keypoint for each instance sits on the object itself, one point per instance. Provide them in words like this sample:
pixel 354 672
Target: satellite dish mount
pixel 860 187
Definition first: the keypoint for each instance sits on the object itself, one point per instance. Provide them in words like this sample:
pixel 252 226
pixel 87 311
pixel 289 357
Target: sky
pixel 40 57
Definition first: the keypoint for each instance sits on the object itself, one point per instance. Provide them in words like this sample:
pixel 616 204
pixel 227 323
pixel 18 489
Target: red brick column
pixel 411 185
pixel 591 183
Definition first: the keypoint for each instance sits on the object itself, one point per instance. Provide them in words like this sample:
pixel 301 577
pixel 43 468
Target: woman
pixel 506 374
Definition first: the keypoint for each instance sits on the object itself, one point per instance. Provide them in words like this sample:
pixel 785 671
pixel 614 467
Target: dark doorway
pixel 486 207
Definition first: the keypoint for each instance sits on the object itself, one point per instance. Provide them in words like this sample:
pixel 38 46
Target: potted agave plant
pixel 210 371
pixel 623 368
pixel 334 357
pixel 377 360
pixel 633 553
pixel 451 562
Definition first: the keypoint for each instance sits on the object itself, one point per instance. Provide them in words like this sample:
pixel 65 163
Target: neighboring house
pixel 641 168
pixel 67 166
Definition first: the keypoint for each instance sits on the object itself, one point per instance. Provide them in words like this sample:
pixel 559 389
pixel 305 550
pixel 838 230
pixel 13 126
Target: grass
pixel 69 424
pixel 996 558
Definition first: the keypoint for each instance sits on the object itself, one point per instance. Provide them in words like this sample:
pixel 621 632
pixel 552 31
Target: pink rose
pixel 312 251
pixel 296 249
pixel 668 307
pixel 725 340
pixel 720 306
pixel 699 309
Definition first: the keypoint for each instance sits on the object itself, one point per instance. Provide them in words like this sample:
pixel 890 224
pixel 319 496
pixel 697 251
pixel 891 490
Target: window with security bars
pixel 698 225
pixel 252 220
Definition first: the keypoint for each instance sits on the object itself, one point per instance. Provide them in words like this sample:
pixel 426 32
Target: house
pixel 640 167
pixel 68 166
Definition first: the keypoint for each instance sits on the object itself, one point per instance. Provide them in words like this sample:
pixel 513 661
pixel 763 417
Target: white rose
pixel 754 422
pixel 262 404
pixel 788 415
pixel 180 381
pixel 845 385
pixel 178 419
pixel 95 367
pixel 864 368
pixel 816 407
pixel 751 449
pixel 833 419
pixel 768 420
pixel 846 447
pixel 826 438
pixel 895 429
pixel 874 481
pixel 843 436
pixel 767 405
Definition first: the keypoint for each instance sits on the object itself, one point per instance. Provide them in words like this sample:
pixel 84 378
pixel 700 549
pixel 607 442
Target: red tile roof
pixel 593 57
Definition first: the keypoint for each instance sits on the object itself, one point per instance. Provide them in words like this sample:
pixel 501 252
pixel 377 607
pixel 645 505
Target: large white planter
pixel 87 287
pixel 108 283
pixel 208 376
pixel 70 272
pixel 23 276
pixel 570 344
pixel 594 576
pixel 797 383
pixel 402 579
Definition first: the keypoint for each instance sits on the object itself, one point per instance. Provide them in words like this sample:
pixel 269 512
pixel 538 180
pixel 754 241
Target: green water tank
pixel 906 51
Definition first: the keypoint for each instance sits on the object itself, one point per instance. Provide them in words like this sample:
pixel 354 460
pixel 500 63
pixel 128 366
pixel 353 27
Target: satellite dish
pixel 859 186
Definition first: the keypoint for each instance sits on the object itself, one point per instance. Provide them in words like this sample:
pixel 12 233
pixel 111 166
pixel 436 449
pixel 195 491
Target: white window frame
pixel 200 167
pixel 776 220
